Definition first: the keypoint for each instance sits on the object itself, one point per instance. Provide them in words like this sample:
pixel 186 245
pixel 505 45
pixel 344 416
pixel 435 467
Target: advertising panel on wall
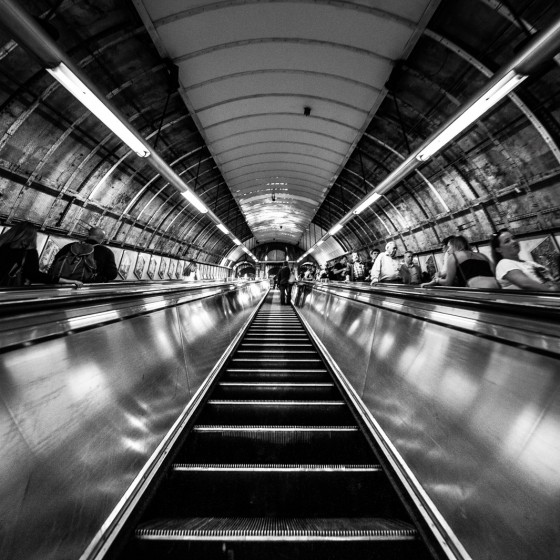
pixel 162 267
pixel 152 267
pixel 139 267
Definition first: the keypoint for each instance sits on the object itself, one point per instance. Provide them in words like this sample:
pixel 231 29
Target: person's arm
pixel 376 270
pixel 450 272
pixel 521 280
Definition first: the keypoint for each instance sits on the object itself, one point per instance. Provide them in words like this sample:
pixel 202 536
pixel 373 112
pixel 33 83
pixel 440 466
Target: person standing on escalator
pixel 284 285
pixel 19 259
pixel 94 262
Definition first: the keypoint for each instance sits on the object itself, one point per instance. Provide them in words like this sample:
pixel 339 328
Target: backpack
pixel 78 263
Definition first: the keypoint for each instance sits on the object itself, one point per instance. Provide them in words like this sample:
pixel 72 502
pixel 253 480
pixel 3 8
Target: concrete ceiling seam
pixel 275 143
pixel 344 4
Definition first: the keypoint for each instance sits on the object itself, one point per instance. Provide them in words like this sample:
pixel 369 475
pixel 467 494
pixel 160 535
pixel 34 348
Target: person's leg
pixel 282 294
pixel 289 293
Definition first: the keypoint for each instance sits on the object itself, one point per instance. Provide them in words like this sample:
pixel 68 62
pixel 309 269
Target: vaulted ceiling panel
pixel 279 61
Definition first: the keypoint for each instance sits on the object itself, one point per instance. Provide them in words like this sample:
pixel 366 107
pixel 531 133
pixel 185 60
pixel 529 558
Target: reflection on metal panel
pixel 81 414
pixel 476 419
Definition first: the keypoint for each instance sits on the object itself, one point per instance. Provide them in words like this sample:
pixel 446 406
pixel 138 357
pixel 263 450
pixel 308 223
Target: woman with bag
pixel 514 274
pixel 19 260
pixel 472 270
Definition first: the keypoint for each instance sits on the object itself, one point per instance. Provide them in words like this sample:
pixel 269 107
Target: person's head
pixel 408 258
pixel 458 243
pixel 20 236
pixel 391 248
pixel 96 234
pixel 445 243
pixel 374 254
pixel 355 257
pixel 504 246
pixel 344 260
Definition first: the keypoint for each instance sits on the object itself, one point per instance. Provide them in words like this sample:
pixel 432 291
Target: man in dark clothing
pixel 283 284
pixel 339 270
pixel 106 267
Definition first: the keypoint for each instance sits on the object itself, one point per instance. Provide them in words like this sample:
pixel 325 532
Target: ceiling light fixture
pixel 367 202
pixel 63 75
pixel 487 100
pixel 236 241
pixel 335 229
pixel 195 201
pixel 223 228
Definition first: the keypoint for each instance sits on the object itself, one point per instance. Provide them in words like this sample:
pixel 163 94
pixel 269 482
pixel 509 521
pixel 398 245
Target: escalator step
pixel 275 403
pixel 272 429
pixel 277 529
pixel 275 467
pixel 275 345
pixel 219 444
pixel 279 412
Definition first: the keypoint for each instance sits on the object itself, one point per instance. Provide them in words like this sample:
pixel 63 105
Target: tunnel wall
pixel 80 415
pixel 476 419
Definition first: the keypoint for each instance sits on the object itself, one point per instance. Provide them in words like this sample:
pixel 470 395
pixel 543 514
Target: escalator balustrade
pixel 275 466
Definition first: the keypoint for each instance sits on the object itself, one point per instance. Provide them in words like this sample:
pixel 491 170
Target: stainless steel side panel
pixel 80 415
pixel 476 420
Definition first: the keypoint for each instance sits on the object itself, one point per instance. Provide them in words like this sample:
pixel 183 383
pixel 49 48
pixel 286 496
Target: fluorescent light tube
pixel 84 95
pixel 195 201
pixel 509 82
pixel 320 242
pixel 367 202
pixel 236 241
pixel 222 228
pixel 335 229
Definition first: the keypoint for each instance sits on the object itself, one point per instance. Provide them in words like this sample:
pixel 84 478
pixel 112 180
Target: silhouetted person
pixel 284 285
pixel 104 260
pixel 19 259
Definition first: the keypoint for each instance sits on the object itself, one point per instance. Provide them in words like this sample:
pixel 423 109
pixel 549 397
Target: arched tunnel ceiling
pixel 235 130
pixel 249 84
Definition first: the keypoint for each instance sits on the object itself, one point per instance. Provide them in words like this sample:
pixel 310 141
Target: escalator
pixel 275 466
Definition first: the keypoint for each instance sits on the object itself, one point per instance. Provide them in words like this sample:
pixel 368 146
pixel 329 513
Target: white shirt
pixel 385 267
pixel 533 270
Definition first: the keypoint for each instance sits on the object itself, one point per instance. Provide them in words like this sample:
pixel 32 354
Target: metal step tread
pixel 277 339
pixel 275 344
pixel 286 350
pixel 274 467
pixel 277 529
pixel 271 428
pixel 283 370
pixel 280 384
pixel 274 402
pixel 298 360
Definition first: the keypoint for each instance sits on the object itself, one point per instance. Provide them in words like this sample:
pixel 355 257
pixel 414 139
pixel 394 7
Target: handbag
pixel 14 277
